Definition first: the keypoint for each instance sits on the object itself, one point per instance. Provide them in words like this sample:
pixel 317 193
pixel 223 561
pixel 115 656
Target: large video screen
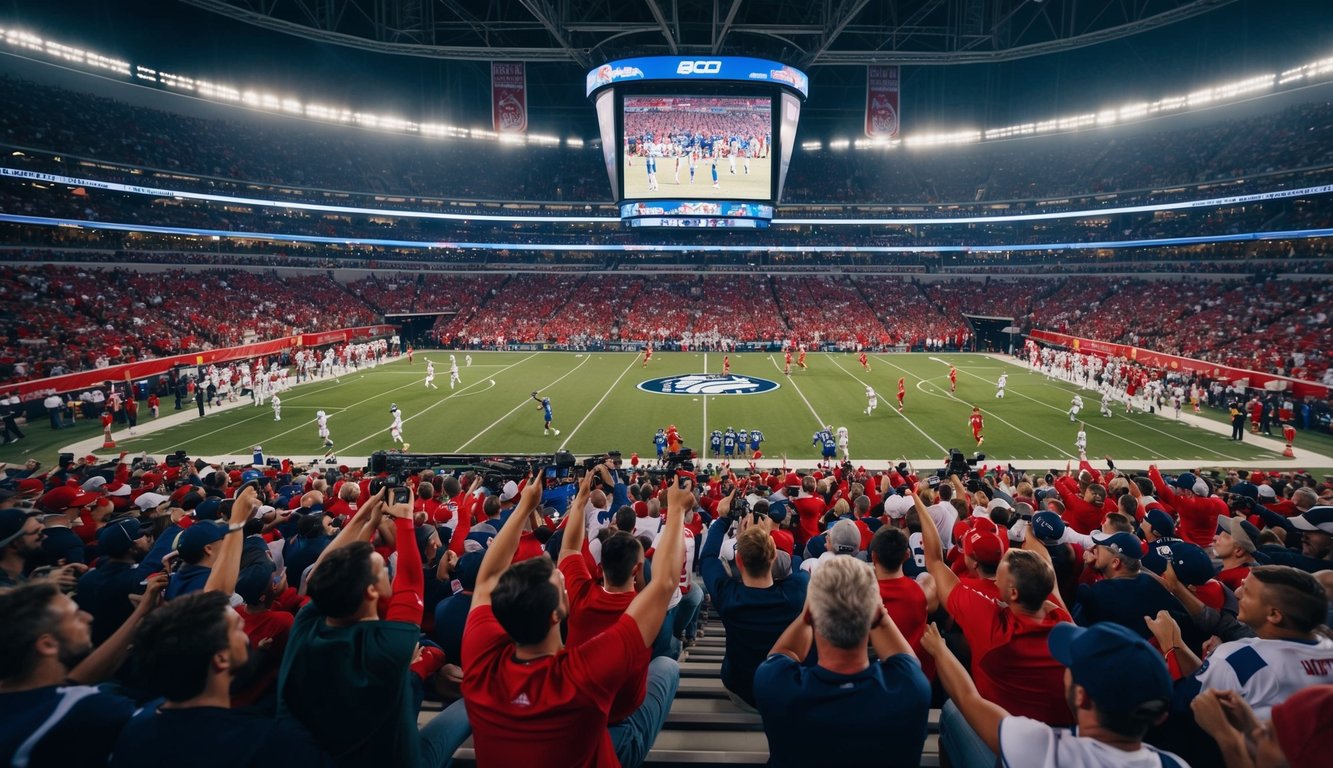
pixel 697 147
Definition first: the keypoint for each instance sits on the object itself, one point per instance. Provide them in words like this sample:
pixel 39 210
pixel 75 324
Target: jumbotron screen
pixel 701 147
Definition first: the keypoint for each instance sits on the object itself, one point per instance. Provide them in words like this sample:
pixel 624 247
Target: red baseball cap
pixel 986 546
pixel 62 498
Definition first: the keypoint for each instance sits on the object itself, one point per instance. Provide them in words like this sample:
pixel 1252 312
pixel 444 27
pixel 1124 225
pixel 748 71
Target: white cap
pixel 998 503
pixel 94 483
pixel 509 491
pixel 147 501
pixel 1200 488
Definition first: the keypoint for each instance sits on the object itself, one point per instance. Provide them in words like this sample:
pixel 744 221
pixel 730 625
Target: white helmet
pixel 319 413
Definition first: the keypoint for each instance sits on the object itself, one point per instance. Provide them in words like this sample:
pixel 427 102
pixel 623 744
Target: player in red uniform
pixel 953 379
pixel 787 366
pixel 801 360
pixel 977 423
pixel 673 439
pixel 726 365
pixel 409 354
pixel 647 354
pixel 865 363
pixel 902 391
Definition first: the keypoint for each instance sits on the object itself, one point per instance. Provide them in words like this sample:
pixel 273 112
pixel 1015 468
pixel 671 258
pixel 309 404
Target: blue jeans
pixel 964 747
pixel 687 613
pixel 633 737
pixel 666 643
pixel 443 735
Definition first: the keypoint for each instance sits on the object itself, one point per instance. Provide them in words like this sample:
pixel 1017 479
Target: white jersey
pixel 1003 380
pixel 322 421
pixel 870 395
pixel 1034 744
pixel 1081 441
pixel 430 370
pixel 1266 672
pixel 397 425
pixel 842 436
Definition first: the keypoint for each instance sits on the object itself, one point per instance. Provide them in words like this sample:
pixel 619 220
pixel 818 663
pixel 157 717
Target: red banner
pixel 1163 361
pixel 40 388
pixel 509 96
pixel 882 101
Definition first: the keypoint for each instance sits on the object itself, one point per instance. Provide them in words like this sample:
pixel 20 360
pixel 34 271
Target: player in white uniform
pixel 872 401
pixel 430 375
pixel 1000 385
pixel 842 444
pixel 1075 406
pixel 467 361
pixel 396 428
pixel 322 421
pixel 1106 403
pixel 453 372
pixel 277 407
pixel 1081 441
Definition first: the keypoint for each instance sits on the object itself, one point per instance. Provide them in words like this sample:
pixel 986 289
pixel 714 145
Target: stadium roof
pixel 801 32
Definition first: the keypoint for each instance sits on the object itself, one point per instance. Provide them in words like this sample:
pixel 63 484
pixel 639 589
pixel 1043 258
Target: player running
pixel 842 444
pixel 786 367
pixel 659 442
pixel 953 379
pixel 715 184
pixel 902 391
pixel 396 427
pixel 409 354
pixel 647 354
pixel 1106 403
pixel 453 372
pixel 544 405
pixel 726 365
pixel 824 439
pixel 1081 441
pixel 1075 406
pixel 1000 384
pixel 277 407
pixel 865 362
pixel 430 375
pixel 872 400
pixel 977 423
pixel 322 421
pixel 800 360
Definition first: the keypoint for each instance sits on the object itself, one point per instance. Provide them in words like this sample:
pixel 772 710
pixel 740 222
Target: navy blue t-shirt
pixel 1126 602
pixel 212 737
pixel 816 717
pixel 83 736
pixel 105 593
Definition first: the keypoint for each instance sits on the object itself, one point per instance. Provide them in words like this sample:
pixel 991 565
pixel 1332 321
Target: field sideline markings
pixel 704 434
pixel 1160 454
pixel 893 410
pixel 792 382
pixel 593 410
pixel 441 401
pixel 513 410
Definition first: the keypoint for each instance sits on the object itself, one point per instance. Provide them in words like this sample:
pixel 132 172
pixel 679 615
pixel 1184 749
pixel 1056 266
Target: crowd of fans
pixel 279 613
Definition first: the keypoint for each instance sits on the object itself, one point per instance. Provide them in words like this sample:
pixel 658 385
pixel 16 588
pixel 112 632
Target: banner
pixel 509 96
pixel 1163 361
pixel 882 101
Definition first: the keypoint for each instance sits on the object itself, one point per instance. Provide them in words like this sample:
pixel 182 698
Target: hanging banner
pixel 509 96
pixel 882 101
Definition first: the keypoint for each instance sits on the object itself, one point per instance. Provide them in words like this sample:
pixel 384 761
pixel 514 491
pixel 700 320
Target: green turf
pixel 597 407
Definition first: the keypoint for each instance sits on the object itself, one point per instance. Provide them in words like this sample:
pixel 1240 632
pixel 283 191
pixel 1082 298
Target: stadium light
pixel 839 144
pixel 812 146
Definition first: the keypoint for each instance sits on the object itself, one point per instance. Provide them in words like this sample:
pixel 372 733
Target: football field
pixel 738 186
pixel 609 401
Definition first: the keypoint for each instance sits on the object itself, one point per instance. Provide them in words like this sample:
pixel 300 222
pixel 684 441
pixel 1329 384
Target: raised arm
pixel 227 566
pixel 463 520
pixel 933 549
pixel 409 580
pixel 103 662
pixel 352 530
pixel 501 552
pixel 650 606
pixel 575 525
pixel 984 716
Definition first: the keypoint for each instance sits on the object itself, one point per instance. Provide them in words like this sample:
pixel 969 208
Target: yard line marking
pixel 427 409
pixel 951 396
pixel 1152 453
pixel 792 382
pixel 892 410
pixel 593 410
pixel 238 423
pixel 704 434
pixel 511 412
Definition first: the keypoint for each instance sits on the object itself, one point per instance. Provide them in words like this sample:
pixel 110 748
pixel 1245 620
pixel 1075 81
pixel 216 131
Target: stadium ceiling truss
pixel 806 33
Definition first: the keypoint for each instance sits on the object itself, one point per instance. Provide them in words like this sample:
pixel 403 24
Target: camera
pixel 176 459
pixel 960 465
pixel 400 494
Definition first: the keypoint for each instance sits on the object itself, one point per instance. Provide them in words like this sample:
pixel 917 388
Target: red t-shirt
pixel 1011 663
pixel 592 611
pixel 906 603
pixel 809 509
pixel 260 626
pixel 783 540
pixel 523 713
pixel 1232 577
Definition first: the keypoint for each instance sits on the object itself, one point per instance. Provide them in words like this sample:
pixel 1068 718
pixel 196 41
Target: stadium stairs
pixel 703 727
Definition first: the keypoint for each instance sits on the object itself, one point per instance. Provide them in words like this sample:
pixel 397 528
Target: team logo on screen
pixel 708 384
pixel 698 67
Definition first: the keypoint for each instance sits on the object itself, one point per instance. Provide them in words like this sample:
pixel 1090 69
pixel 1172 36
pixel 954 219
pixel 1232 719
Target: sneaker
pixel 546 431
pixel 557 433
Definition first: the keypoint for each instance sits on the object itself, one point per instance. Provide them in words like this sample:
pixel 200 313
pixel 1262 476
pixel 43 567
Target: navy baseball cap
pixel 192 540
pixel 1048 527
pixel 1122 543
pixel 1192 565
pixel 1161 522
pixel 118 536
pixel 1119 670
pixel 1318 518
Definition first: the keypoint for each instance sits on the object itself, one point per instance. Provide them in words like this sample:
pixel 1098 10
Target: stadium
pixel 647 384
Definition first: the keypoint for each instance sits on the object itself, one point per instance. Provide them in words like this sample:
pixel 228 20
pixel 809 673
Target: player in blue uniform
pixel 659 442
pixel 729 443
pixel 756 437
pixel 715 443
pixel 715 184
pixel 743 442
pixel 545 406
pixel 824 439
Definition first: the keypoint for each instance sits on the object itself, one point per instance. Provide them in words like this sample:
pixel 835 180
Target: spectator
pixel 1299 733
pixel 527 695
pixel 1234 545
pixel 105 591
pixel 1115 684
pixel 343 657
pixel 1125 593
pixel 908 601
pixel 756 608
pixel 20 539
pixel 843 612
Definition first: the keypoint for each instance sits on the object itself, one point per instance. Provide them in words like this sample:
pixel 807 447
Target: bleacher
pixel 703 727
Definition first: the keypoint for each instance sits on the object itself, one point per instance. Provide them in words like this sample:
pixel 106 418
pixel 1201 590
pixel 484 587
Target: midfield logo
pixel 708 384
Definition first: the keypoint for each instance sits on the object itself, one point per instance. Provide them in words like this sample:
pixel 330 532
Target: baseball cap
pixel 1119 670
pixel 117 489
pixel 1240 530
pixel 1267 492
pixel 1185 481
pixel 62 498
pixel 844 538
pixel 509 491
pixel 792 480
pixel 11 524
pixel 1192 565
pixel 1303 724
pixel 1318 518
pixel 1161 522
pixel 192 540
pixel 150 500
pixel 1000 503
pixel 986 544
pixel 1122 543
pixel 1047 527
pixel 94 484
pixel 118 536
pixel 469 565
